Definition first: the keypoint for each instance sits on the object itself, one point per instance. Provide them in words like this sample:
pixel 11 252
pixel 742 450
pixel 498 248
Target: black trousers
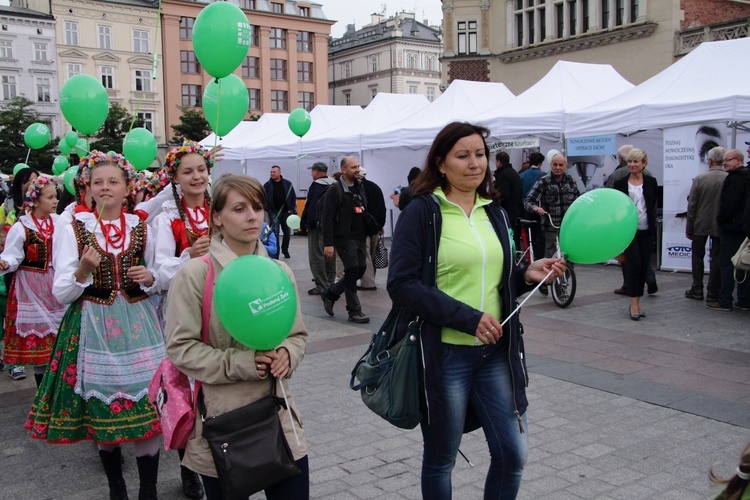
pixel 278 224
pixel 353 254
pixel 638 255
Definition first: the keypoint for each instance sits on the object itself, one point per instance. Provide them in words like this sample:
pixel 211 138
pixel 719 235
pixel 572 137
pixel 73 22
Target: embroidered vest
pixel 183 236
pixel 37 254
pixel 111 275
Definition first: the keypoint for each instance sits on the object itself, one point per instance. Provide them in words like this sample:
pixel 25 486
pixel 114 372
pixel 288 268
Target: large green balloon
pixel 19 167
pixel 299 121
pixel 221 38
pixel 36 135
pixel 225 103
pixel 69 178
pixel 255 301
pixel 84 103
pixel 139 148
pixel 82 147
pixel 64 147
pixel 598 225
pixel 60 164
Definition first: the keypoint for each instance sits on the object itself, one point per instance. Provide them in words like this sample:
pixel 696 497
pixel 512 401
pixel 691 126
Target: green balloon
pixel 84 103
pixel 225 103
pixel 36 135
pixel 64 147
pixel 69 179
pixel 299 121
pixel 255 301
pixel 82 147
pixel 59 164
pixel 597 226
pixel 19 167
pixel 293 221
pixel 221 38
pixel 139 148
pixel 71 138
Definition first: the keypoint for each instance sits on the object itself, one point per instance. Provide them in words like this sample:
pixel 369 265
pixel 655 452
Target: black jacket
pixel 414 255
pixel 734 195
pixel 650 193
pixel 336 218
pixel 508 182
pixel 291 197
pixel 310 212
pixel 375 201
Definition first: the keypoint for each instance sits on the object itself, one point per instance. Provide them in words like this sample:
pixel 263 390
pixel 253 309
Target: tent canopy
pixel 688 91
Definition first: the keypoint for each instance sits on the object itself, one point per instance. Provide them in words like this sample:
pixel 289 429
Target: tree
pixel 193 126
pixel 15 116
pixel 118 123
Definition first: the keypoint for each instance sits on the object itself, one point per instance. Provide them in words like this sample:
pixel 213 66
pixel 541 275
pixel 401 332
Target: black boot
pixel 112 462
pixel 191 482
pixel 148 472
pixel 38 377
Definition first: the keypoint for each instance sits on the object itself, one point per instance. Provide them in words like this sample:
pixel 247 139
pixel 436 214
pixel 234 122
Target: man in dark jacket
pixel 344 229
pixel 376 206
pixel 508 183
pixel 735 192
pixel 323 270
pixel 281 202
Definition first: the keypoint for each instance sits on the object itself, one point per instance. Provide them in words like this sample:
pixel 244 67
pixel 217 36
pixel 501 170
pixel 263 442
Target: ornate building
pixel 517 41
pixel 398 55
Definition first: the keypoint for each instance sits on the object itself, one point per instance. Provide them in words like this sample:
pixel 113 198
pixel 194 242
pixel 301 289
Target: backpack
pixel 321 201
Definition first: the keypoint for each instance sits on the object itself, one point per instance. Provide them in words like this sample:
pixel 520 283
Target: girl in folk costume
pixel 33 313
pixel 110 342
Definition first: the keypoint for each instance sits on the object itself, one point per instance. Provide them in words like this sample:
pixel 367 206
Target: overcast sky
pixel 358 11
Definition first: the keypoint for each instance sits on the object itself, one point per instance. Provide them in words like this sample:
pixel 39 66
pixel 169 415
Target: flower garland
pixel 96 157
pixel 35 190
pixel 174 157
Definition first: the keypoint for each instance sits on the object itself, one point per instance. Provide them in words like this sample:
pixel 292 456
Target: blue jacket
pixel 412 273
pixel 528 179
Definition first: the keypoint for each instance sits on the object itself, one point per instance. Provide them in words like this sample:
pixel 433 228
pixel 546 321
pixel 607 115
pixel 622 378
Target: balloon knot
pixel 216 81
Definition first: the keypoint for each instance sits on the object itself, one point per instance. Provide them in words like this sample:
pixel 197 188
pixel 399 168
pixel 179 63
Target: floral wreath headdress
pixel 156 183
pixel 35 190
pixel 96 157
pixel 174 157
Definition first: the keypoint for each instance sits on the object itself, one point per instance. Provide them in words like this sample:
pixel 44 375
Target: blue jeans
pixel 477 376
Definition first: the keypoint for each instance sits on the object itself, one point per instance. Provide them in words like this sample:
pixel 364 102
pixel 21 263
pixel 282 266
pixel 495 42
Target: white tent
pixel 567 87
pixel 708 84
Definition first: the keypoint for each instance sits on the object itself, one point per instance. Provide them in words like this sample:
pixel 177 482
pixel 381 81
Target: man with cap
pixel 323 270
pixel 376 205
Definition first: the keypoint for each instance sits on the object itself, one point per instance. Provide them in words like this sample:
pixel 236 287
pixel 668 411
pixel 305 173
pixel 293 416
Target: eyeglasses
pixel 730 159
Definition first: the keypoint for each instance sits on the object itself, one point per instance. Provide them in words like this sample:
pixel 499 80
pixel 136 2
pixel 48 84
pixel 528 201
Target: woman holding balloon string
pixel 33 315
pixel 642 190
pixel 232 374
pixel 110 342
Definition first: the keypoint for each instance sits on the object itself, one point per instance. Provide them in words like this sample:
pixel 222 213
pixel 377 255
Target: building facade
pixel 398 55
pixel 517 41
pixel 285 67
pixel 27 61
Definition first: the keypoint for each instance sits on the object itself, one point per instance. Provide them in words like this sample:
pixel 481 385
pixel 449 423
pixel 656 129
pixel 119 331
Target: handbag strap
pixel 208 296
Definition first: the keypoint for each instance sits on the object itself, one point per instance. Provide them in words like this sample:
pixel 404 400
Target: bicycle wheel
pixel 564 288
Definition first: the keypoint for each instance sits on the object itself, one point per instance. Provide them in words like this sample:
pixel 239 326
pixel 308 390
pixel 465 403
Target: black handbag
pixel 380 259
pixel 388 373
pixel 249 448
pixel 371 225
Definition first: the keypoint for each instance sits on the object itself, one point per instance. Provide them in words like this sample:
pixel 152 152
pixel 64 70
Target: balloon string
pixel 289 411
pixel 27 155
pixel 156 37
pixel 101 211
pixel 77 147
pixel 558 254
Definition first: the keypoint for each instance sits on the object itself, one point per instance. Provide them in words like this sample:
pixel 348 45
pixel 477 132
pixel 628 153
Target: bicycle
pixel 564 287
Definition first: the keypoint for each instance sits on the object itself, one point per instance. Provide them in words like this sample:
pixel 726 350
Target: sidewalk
pixel 618 409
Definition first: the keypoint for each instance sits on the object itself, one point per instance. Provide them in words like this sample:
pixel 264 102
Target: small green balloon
pixel 82 147
pixel 225 103
pixel 36 135
pixel 64 147
pixel 84 102
pixel 139 148
pixel 19 167
pixel 69 179
pixel 293 221
pixel 60 164
pixel 255 301
pixel 221 38
pixel 71 138
pixel 299 121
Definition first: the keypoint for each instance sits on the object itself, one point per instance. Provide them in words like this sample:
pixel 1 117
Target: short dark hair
pixel 413 174
pixel 503 158
pixel 536 158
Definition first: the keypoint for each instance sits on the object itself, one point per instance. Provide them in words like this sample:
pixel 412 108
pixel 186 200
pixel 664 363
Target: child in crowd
pixel 33 314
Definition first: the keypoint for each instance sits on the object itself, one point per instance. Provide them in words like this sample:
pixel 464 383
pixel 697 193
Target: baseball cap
pixel 319 166
pixel 362 171
pixel 747 142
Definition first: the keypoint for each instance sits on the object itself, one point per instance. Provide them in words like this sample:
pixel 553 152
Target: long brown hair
pixel 431 178
pixel 735 485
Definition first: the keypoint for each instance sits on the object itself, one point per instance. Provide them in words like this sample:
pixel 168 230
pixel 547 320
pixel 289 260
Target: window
pixel 373 93
pixel 279 100
pixel 412 61
pixel 251 67
pixel 429 63
pixel 107 74
pixel 247 4
pixel 277 38
pixel 188 62
pixel 105 37
pixel 304 11
pixel 304 41
pixel 40 51
pixel 346 70
pixel 605 14
pixel 373 64
pixel 186 28
pixel 71 33
pixel 140 41
pixel 191 96
pixel 277 8
pixel 633 11
pixel 9 87
pixel 304 71
pixel 278 69
pixel 6 49
pixel 572 17
pixel 467 37
pixel 148 120
pixel 306 100
pixel 430 94
pixel 254 36
pixel 74 69
pixel 412 89
pixel 43 89
pixel 253 99
pixel 143 80
pixel 348 99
